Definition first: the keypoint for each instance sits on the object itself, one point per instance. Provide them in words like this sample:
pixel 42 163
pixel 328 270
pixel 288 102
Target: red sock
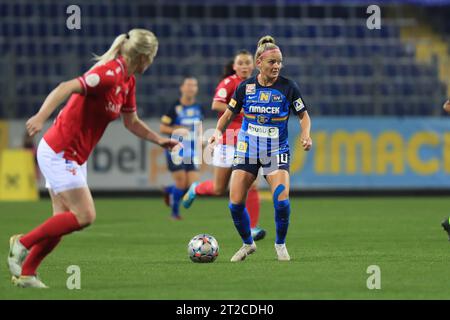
pixel 38 252
pixel 252 205
pixel 205 188
pixel 56 226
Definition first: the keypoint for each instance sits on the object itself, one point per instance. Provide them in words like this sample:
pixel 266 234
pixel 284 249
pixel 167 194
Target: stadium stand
pixel 343 67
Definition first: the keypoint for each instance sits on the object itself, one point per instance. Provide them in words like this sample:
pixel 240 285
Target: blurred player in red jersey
pixel 242 69
pixel 101 95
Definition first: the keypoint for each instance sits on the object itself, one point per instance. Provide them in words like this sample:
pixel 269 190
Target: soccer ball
pixel 203 248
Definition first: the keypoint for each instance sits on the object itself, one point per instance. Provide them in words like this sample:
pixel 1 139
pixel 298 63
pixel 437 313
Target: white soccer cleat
pixel 17 255
pixel 28 282
pixel 243 252
pixel 282 252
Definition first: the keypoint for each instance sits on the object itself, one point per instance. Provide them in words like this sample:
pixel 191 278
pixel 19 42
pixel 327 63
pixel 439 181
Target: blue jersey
pixel 186 116
pixel 264 130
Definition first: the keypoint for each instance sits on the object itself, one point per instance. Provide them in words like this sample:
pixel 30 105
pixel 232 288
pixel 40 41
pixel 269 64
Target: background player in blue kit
pixel 182 122
pixel 267 100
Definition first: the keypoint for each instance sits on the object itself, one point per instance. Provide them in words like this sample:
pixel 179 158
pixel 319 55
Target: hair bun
pixel 266 39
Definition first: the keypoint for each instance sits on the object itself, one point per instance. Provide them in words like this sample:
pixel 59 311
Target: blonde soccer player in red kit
pixel 101 95
pixel 242 69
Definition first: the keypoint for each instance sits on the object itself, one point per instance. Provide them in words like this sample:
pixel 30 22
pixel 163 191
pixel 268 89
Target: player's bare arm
pixel 136 126
pixel 60 94
pixel 446 106
pixel 219 106
pixel 222 125
pixel 305 137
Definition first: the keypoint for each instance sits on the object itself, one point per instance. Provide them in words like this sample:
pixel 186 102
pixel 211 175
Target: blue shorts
pixel 176 163
pixel 268 165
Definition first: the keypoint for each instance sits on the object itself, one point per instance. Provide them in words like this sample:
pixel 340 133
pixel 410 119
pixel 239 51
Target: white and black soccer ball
pixel 203 248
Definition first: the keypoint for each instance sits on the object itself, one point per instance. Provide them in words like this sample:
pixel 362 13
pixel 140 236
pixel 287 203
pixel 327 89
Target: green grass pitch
pixel 134 251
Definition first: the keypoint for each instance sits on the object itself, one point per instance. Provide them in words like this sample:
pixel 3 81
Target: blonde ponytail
pixel 132 44
pixel 264 44
pixel 112 51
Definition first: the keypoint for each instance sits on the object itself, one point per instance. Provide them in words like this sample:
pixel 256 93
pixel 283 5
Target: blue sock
pixel 282 213
pixel 241 221
pixel 177 194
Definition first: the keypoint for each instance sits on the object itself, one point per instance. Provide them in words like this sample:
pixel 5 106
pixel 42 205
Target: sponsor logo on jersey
pixel 189 121
pixel 250 88
pixel 264 96
pixel 298 104
pixel 263 132
pixel 242 146
pixel 276 98
pixel 109 73
pixel 232 103
pixel 261 119
pixel 113 107
pixel 261 109
pixel 92 80
pixel 118 69
pixel 222 93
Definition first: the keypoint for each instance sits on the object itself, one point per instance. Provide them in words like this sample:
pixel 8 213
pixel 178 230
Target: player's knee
pixel 280 194
pixel 86 217
pixel 236 198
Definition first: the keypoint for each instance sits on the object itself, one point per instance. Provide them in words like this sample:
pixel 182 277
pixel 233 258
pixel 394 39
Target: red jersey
pixel 224 92
pixel 107 91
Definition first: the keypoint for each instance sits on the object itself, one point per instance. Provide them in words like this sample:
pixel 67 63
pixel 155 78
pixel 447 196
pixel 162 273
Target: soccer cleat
pixel 258 233
pixel 446 225
pixel 175 217
pixel 28 282
pixel 190 195
pixel 17 255
pixel 282 252
pixel 243 252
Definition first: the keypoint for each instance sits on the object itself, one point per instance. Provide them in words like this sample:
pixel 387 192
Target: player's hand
pixel 34 125
pixel 306 142
pixel 214 139
pixel 169 144
pixel 446 106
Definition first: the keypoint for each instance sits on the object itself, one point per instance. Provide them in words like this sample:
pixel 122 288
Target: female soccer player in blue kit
pixel 181 121
pixel 267 100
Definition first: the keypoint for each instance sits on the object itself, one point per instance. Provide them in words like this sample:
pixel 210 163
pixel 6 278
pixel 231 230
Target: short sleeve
pixel 97 80
pixel 130 103
pixel 170 117
pixel 297 103
pixel 224 90
pixel 237 100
